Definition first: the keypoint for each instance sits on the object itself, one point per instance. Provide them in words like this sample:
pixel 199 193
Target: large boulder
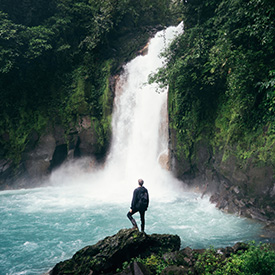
pixel 110 253
pixel 38 160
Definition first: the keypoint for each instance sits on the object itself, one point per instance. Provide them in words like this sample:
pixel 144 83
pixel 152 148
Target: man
pixel 139 204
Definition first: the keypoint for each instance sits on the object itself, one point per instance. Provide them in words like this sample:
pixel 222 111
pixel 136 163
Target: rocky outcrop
pixel 130 252
pixel 247 188
pixel 109 254
pixel 48 151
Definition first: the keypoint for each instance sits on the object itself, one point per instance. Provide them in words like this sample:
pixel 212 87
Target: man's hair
pixel 140 182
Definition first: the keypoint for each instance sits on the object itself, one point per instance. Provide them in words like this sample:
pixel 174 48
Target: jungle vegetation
pixel 56 57
pixel 221 77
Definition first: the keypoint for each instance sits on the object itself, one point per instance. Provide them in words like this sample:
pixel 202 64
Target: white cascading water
pixel 140 126
pixel 81 204
pixel 140 135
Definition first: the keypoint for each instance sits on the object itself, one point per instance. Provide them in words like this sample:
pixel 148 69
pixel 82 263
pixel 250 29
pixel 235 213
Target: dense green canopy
pixel 56 57
pixel 221 75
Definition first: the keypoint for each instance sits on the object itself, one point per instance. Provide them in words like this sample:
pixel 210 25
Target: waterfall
pixel 139 148
pixel 140 123
pixel 140 116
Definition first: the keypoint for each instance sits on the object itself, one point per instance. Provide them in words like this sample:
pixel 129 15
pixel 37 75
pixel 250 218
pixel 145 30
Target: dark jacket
pixel 135 205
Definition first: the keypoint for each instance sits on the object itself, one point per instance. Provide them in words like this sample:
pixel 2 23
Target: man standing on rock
pixel 139 204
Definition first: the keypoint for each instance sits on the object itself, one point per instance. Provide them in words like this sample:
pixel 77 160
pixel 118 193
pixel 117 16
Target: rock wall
pixel 244 188
pixel 48 151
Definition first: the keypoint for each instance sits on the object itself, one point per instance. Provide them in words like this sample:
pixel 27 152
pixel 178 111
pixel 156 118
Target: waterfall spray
pixel 139 147
pixel 140 124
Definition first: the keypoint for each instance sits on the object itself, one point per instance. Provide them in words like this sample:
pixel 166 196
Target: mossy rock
pixel 110 253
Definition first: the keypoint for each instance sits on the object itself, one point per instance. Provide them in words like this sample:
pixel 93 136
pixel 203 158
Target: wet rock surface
pixel 47 152
pixel 246 189
pixel 110 253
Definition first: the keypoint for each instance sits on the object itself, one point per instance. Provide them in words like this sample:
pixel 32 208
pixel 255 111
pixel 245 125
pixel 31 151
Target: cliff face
pixel 46 152
pixel 244 188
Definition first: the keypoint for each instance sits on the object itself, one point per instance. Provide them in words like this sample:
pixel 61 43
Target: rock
pixel 8 175
pixel 243 187
pixel 5 165
pixel 87 142
pixel 38 161
pixel 144 50
pixel 5 170
pixel 164 161
pixel 236 189
pixel 135 268
pixel 174 270
pixel 239 247
pixel 269 232
pixel 272 191
pixel 87 137
pixel 183 257
pixel 46 152
pixel 109 254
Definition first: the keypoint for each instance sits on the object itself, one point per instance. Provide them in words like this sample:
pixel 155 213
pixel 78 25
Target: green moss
pixel 221 88
pixel 257 144
pixel 102 124
pixel 106 97
pixel 18 132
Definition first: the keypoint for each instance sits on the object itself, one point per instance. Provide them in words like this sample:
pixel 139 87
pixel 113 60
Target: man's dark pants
pixel 142 219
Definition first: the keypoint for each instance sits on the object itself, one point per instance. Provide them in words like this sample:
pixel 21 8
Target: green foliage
pixel 155 264
pixel 257 260
pixel 208 262
pixel 20 43
pixel 268 87
pixel 39 41
pixel 220 73
pixel 19 132
pixel 56 57
pixel 10 45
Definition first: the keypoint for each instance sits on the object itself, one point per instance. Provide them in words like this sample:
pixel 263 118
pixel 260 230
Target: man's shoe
pixel 134 224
